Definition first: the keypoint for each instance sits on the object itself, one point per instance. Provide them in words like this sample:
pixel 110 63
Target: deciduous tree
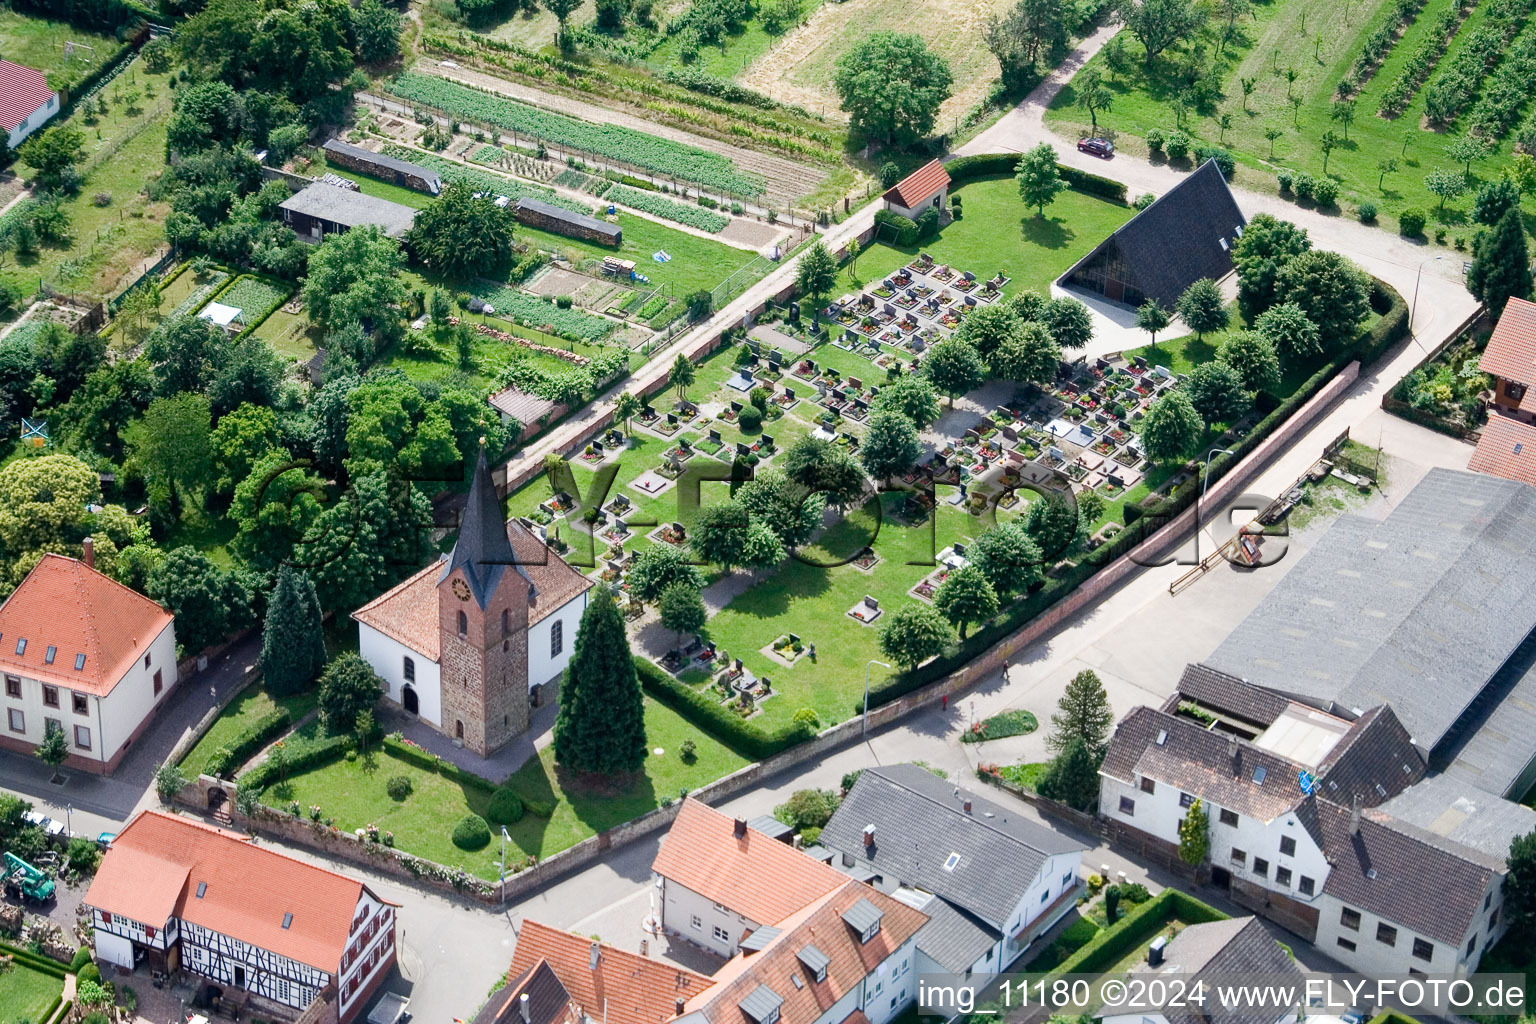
pixel 1152 317
pixel 1217 393
pixel 1029 355
pixel 463 234
pixel 1027 31
pixel 1069 322
pixel 1202 307
pixel 914 633
pixel 1160 24
pixel 1171 429
pixel 1331 290
pixel 1253 357
pixel 1008 557
pixel 1292 333
pixel 890 445
pixel 1266 244
pixel 348 688
pixel 954 367
pixel 682 609
pixel 816 272
pixel 1038 178
pixel 355 277
pixel 912 395
pixel 891 86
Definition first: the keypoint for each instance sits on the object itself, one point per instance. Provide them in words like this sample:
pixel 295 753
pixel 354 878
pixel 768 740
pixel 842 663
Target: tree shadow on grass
pixel 1046 232
pixel 603 801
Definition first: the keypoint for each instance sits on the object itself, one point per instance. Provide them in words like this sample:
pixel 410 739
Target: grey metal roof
pixel 759 939
pixel 568 216
pixel 761 1003
pixel 1419 610
pixel 351 209
pixel 952 938
pixel 770 826
pixel 920 820
pixel 862 916
pixel 1185 235
pixel 523 406
pixel 814 959
pixel 380 159
pixel 1453 810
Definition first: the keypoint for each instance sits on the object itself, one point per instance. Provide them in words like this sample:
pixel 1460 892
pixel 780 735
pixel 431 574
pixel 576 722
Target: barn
pixel 538 214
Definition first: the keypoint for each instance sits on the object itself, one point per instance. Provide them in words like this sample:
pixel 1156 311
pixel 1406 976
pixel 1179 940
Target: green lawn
pixel 353 793
pixel 39 43
pixel 290 335
pixel 997 232
pixel 733 54
pixel 26 994
pixel 253 704
pixel 1320 39
pixel 212 537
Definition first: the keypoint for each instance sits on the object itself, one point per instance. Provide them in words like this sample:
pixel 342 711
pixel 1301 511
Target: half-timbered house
pixel 257 925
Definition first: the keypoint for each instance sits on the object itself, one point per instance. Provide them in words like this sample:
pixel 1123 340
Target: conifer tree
pixel 600 726
pixel 292 640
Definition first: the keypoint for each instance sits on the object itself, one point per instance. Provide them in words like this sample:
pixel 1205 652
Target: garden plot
pixel 799 69
pixel 589 292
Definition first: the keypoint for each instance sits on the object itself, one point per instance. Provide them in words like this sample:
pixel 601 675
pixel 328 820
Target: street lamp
pixel 1205 480
pixel 864 729
pixel 69 819
pixel 504 838
pixel 1414 308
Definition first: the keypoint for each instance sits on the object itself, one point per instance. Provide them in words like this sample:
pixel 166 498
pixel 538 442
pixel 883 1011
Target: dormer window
pixel 864 918
pixel 814 961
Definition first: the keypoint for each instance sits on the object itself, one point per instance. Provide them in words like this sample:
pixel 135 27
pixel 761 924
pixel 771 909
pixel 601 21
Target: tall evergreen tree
pixel 600 726
pixel 1084 714
pixel 292 639
pixel 1501 264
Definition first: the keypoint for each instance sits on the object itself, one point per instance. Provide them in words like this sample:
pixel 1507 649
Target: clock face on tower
pixel 461 589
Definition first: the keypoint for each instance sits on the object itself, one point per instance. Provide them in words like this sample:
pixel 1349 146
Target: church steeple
pixel 482 550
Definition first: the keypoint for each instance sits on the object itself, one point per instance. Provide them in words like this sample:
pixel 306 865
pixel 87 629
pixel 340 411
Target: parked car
pixel 55 829
pixel 1096 147
pixel 105 839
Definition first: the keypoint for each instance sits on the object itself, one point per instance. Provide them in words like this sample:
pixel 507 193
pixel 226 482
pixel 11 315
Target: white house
pixel 83 652
pixel 502 609
pixel 721 882
pixel 926 188
pixel 990 880
pixel 26 102
pixel 258 925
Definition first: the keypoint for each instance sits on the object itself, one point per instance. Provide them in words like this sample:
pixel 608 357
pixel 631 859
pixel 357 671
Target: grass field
pixel 25 994
pixel 1320 40
pixel 998 232
pixel 290 335
pixel 253 704
pixel 39 43
pixel 799 67
pixel 353 793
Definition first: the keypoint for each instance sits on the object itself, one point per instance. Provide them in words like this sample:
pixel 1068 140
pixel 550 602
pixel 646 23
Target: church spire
pixel 482 550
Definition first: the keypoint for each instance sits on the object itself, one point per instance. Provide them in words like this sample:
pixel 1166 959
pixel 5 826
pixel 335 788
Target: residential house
pixel 81 651
pixel 926 188
pixel 1238 950
pixel 849 957
pixel 1510 358
pixel 26 101
pixel 1187 234
pixel 324 209
pixel 1507 447
pixel 720 879
pixel 468 643
pixel 990 879
pixel 269 932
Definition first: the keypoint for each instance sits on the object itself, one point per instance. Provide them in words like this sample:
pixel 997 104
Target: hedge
pixel 904 227
pixel 1111 945
pixel 428 761
pixel 1150 516
pixel 991 165
pixel 715 719
pixel 36 961
pixel 261 732
pixel 53 1008
pixel 69 1004
pixel 310 755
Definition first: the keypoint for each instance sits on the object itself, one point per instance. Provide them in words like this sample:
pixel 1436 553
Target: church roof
pixel 483 550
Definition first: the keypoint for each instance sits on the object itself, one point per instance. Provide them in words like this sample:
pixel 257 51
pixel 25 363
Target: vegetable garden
pixel 656 155
pixel 667 209
pixel 512 188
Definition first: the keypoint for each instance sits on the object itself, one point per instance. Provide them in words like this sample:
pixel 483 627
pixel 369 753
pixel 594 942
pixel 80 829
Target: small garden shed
pixel 926 188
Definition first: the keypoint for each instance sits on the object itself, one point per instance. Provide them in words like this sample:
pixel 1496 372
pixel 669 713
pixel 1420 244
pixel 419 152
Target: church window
pixel 463 624
pixel 556 638
pixel 506 622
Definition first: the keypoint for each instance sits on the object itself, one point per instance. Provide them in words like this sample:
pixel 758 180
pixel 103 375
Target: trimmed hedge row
pixel 36 961
pixel 428 761
pixel 990 165
pixel 1148 517
pixel 69 1004
pixel 310 755
pixel 261 732
pixel 53 1008
pixel 1135 927
pixel 717 721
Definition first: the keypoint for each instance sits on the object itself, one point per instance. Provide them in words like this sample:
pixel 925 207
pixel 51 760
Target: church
pixel 468 643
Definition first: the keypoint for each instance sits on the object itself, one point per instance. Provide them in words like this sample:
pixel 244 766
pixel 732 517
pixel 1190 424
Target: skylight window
pixel 202 887
pixel 1519 445
pixel 1371 873
pixel 1162 736
pixel 48 656
pixel 950 861
pixel 21 646
pixel 287 920
pixel 79 662
pixel 1259 774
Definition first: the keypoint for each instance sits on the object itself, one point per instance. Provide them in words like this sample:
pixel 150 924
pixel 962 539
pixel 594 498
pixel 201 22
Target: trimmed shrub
pixel 471 833
pixel 1155 140
pixel 1325 191
pixel 1411 222
pixel 398 787
pixel 1367 213
pixel 81 958
pixel 1178 145
pixel 1285 179
pixel 248 743
pixel 506 807
pixel 751 419
pixel 1225 161
pixel 90 972
pixel 904 229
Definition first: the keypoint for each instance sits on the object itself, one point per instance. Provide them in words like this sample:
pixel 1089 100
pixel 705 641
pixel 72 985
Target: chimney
pixel 522 1007
pixel 678 1004
pixel 1232 751
pixel 593 956
pixel 1354 816
pixel 869 836
pixel 741 828
pixel 89 557
pixel 967 805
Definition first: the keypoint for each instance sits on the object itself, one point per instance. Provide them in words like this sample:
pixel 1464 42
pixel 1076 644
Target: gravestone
pixel 794 312
pixel 714 435
pixel 768 440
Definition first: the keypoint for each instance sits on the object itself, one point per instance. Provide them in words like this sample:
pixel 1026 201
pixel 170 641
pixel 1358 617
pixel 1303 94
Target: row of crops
pixel 611 142
pixel 531 311
pixel 513 188
pixel 1456 81
pixel 1423 60
pixel 1379 43
pixel 667 209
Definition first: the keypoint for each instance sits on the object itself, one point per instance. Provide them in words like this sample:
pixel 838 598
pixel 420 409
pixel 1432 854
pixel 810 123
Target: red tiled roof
pixel 1507 449
pixel 919 186
pixel 760 878
pixel 22 91
pixel 76 610
pixel 1511 351
pixel 158 861
pixel 849 961
pixel 624 988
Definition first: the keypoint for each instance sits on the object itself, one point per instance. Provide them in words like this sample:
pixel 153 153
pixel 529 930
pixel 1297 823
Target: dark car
pixel 1097 147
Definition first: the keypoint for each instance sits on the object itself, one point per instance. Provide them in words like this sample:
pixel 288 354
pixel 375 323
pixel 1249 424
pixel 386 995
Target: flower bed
pixel 1000 726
